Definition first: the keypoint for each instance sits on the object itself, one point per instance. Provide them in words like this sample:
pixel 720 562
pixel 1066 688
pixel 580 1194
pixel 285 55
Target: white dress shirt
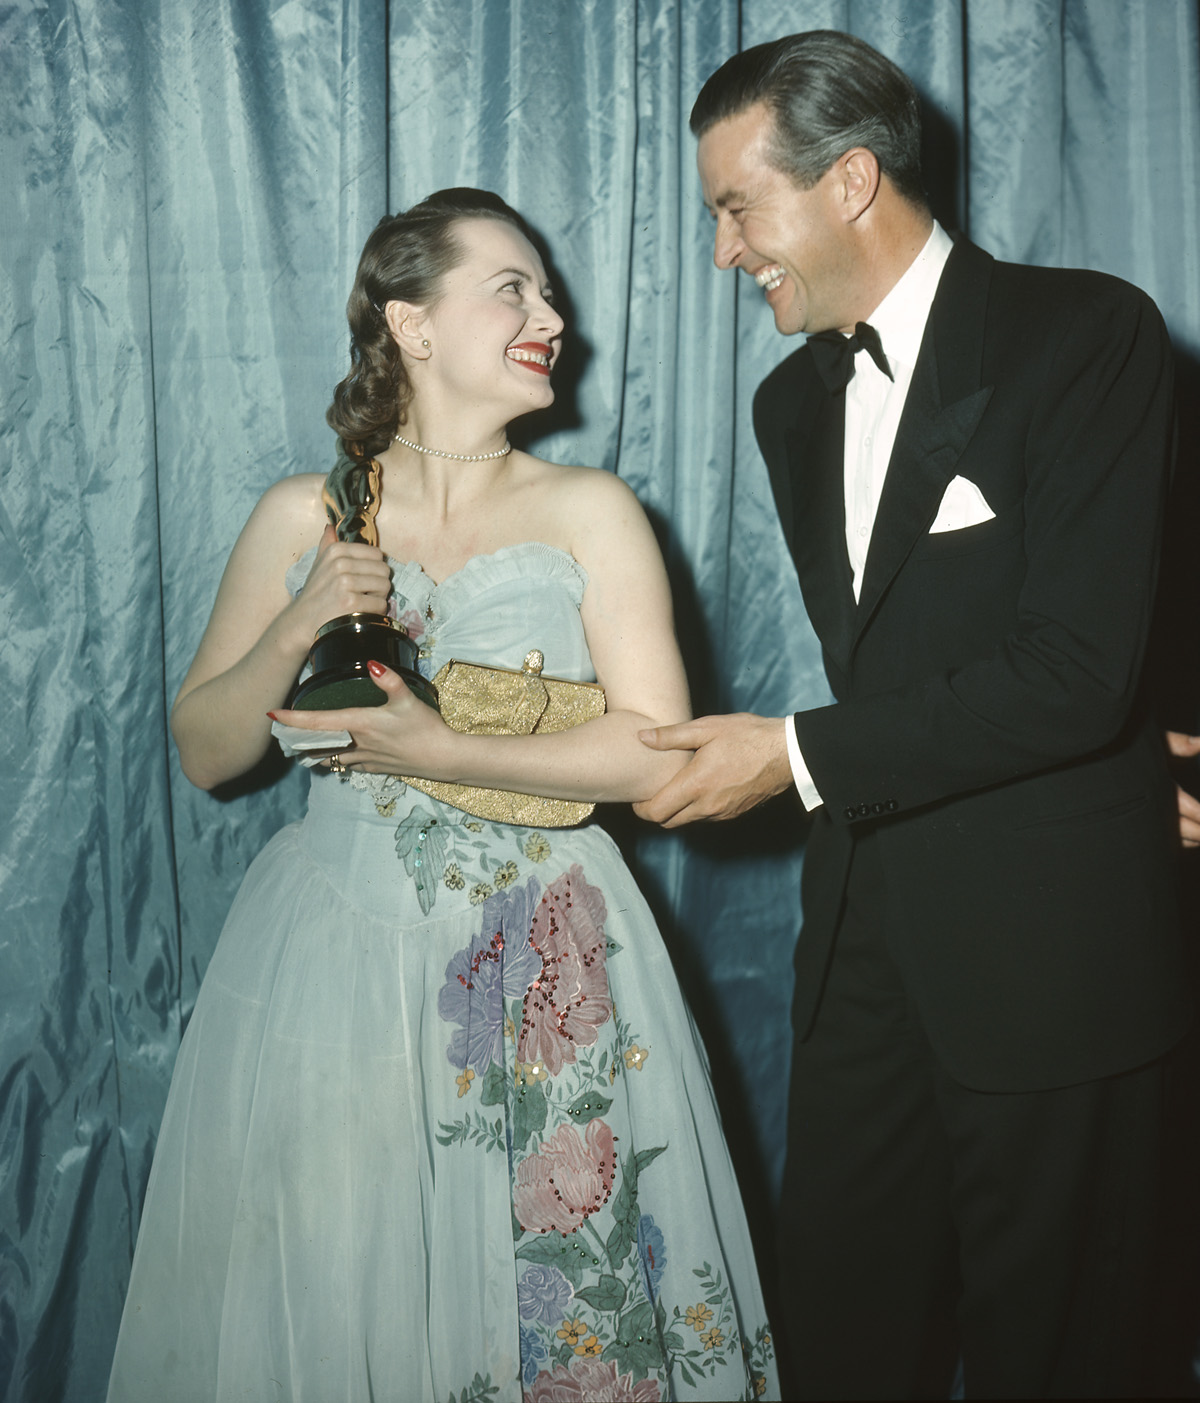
pixel 874 405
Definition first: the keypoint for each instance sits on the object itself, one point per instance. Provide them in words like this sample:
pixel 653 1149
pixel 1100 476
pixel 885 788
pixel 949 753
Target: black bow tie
pixel 834 355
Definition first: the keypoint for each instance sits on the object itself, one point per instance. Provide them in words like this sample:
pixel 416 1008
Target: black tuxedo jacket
pixel 989 722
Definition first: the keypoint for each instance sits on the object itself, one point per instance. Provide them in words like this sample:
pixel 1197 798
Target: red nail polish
pixel 376 669
pixel 272 715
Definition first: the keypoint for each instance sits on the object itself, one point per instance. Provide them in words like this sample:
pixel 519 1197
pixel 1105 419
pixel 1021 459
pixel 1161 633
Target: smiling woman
pixel 440 1123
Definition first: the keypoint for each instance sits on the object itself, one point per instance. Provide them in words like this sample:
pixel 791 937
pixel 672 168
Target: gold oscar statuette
pixel 343 647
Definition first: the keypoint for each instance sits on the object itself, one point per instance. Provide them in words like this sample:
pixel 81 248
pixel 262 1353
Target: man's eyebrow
pixel 726 198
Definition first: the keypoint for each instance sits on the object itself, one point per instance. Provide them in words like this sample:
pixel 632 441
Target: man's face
pixel 791 241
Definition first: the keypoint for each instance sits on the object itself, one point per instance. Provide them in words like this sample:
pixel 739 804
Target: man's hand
pixel 1184 748
pixel 739 761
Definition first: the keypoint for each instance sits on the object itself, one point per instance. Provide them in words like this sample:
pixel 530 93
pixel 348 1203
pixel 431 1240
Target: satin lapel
pixel 815 453
pixel 945 403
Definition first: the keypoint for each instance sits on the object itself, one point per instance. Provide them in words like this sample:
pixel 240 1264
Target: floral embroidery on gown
pixel 441 1127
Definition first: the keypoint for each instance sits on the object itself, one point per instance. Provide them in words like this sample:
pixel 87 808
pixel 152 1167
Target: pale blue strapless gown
pixel 441 1127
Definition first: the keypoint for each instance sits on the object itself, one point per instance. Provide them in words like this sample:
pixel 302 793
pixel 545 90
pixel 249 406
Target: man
pixel 989 972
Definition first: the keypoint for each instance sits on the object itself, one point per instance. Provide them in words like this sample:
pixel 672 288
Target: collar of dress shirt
pixel 900 318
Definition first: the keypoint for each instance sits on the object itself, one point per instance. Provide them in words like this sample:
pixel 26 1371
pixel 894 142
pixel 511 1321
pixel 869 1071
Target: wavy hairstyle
pixel 405 259
pixel 828 92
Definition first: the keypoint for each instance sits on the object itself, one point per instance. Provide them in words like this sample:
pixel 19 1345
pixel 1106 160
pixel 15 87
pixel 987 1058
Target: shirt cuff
pixel 809 795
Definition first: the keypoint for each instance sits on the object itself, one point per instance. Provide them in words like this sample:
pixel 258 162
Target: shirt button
pixel 867 441
pixel 862 530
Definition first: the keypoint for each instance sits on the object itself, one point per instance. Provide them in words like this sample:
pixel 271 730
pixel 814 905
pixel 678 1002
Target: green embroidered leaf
pixel 518 1230
pixel 645 1157
pixel 617 1245
pixel 674 1342
pixel 588 1106
pixel 633 1354
pixel 625 1207
pixel 529 1114
pixel 553 1250
pixel 495 1085
pixel 423 843
pixel 565 1355
pixel 607 1294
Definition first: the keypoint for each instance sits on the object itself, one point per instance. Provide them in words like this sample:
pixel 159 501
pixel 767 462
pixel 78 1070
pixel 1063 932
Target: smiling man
pixel 969 460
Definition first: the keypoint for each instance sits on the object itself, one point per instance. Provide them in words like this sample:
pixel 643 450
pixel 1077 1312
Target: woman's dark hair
pixel 404 260
pixel 828 92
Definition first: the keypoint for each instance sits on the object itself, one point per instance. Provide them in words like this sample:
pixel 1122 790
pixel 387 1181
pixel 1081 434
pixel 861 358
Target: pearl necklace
pixel 462 457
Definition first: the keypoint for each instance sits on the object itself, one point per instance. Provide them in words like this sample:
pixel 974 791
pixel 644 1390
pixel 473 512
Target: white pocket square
pixel 962 505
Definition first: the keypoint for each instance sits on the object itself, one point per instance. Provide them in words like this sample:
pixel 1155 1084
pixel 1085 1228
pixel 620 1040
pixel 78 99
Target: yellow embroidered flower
pixel 479 893
pixel 472 826
pixel 505 876
pixel 510 1029
pixel 572 1331
pixel 712 1339
pixel 537 847
pixel 612 1072
pixel 590 1347
pixel 760 1385
pixel 531 1072
pixel 385 810
pixel 698 1316
pixel 453 877
pixel 464 1080
pixel 635 1057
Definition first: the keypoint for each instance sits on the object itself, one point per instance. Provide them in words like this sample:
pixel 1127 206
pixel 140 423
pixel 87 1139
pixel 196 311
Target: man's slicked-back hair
pixel 828 92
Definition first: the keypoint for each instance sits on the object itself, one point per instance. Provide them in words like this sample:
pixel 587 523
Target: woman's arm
pixel 257 638
pixel 627 619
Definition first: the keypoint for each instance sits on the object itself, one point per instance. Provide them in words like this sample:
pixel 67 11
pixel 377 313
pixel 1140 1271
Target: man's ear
pixel 858 176
pixel 406 322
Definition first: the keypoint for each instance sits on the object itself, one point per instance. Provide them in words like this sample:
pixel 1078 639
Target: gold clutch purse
pixel 496 701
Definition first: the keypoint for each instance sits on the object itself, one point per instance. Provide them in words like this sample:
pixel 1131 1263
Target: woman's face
pixel 494 335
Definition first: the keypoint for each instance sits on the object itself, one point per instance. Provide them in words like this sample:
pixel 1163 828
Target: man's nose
pixel 727 245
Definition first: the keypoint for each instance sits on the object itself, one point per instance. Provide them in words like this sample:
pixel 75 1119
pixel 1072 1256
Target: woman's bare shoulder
pixel 597 488
pixel 290 513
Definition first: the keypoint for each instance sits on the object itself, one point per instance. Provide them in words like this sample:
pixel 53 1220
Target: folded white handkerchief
pixel 962 505
pixel 311 746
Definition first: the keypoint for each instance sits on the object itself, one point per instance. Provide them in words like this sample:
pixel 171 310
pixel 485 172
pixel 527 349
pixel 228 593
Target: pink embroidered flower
pixel 590 1381
pixel 569 999
pixel 413 623
pixel 565 1179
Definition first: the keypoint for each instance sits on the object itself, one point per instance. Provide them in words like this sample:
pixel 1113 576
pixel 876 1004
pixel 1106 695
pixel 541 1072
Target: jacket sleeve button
pixel 850 813
pixel 892 806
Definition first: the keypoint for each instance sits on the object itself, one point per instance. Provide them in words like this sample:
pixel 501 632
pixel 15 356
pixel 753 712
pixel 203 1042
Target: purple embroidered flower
pixel 500 962
pixel 652 1255
pixel 533 1354
pixel 543 1293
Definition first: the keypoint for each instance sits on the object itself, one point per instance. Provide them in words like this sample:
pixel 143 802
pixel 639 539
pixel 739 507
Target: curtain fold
pixel 186 190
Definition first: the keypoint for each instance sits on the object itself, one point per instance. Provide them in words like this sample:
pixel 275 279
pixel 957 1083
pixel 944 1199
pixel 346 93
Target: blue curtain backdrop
pixel 184 189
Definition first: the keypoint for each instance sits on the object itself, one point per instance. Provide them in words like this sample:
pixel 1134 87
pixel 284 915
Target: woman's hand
pixel 347 577
pixel 402 737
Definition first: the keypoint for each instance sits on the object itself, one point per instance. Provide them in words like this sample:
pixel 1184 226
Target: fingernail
pixel 376 669
pixel 272 715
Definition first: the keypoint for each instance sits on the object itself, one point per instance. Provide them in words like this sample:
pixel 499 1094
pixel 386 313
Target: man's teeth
pixel 769 278
pixel 537 357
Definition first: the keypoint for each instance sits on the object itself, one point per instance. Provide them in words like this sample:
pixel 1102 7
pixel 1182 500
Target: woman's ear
pixel 407 325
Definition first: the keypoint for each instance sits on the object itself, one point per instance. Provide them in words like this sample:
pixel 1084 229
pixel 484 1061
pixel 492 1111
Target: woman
pixel 440 1125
